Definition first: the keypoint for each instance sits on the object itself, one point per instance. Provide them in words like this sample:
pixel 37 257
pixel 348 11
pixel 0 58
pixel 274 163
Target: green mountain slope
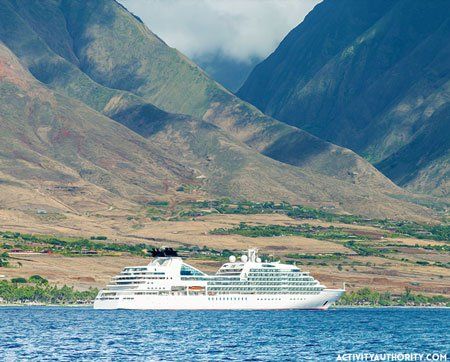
pixel 367 75
pixel 113 48
pixel 81 52
pixel 424 162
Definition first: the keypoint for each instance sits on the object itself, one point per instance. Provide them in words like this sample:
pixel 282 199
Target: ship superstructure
pixel 249 283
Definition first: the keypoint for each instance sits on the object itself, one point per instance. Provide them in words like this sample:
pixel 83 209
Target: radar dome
pixel 244 258
pixel 232 258
pixel 258 260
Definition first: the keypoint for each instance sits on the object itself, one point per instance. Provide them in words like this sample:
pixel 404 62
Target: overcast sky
pixel 239 29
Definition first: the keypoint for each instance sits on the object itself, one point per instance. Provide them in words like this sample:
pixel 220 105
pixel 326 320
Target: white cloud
pixel 239 29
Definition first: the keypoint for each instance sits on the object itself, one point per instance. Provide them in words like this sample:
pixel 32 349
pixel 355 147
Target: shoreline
pixel 22 305
pixel 45 305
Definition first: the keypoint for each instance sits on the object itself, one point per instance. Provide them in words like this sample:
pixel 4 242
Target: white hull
pixel 322 301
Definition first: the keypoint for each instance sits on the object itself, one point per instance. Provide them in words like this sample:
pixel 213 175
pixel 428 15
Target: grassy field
pixel 360 252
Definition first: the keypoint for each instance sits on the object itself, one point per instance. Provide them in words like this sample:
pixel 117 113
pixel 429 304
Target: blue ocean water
pixel 73 334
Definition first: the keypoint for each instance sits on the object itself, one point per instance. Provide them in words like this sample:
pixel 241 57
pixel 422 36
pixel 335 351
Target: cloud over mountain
pixel 240 30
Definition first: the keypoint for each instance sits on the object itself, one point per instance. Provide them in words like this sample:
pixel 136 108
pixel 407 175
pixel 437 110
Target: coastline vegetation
pixel 37 290
pixel 368 297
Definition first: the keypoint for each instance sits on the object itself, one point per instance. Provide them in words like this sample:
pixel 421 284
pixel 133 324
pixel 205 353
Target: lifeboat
pixel 196 288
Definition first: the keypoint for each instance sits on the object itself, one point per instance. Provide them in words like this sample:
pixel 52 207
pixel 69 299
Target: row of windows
pixel 282 292
pixel 137 278
pixel 146 273
pixel 259 287
pixel 122 287
pixel 190 278
pixel 262 278
pixel 130 282
pixel 273 286
pixel 227 298
pixel 268 298
pixel 276 283
pixel 293 275
pixel 142 273
pixel 262 289
pixel 281 279
pixel 107 298
pixel 264 271
pixel 209 298
pixel 216 280
pixel 283 282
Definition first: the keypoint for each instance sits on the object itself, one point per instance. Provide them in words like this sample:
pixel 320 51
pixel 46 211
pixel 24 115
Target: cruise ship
pixel 248 283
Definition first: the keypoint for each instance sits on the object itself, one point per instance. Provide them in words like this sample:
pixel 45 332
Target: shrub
pixel 158 203
pixel 4 259
pixel 19 280
pixel 37 279
pixel 422 262
pixel 99 238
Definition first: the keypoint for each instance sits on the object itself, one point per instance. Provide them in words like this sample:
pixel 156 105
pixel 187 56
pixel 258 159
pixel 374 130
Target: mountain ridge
pixel 373 89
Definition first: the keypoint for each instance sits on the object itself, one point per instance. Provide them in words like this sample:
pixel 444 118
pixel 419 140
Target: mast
pixel 252 254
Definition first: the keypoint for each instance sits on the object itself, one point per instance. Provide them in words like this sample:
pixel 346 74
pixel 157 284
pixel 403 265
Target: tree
pixel 37 279
pixel 4 262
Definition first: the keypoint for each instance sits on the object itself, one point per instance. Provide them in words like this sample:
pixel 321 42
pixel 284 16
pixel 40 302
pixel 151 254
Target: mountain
pixel 60 155
pixel 373 76
pixel 116 50
pixel 55 151
pixel 100 57
pixel 423 163
pixel 82 160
